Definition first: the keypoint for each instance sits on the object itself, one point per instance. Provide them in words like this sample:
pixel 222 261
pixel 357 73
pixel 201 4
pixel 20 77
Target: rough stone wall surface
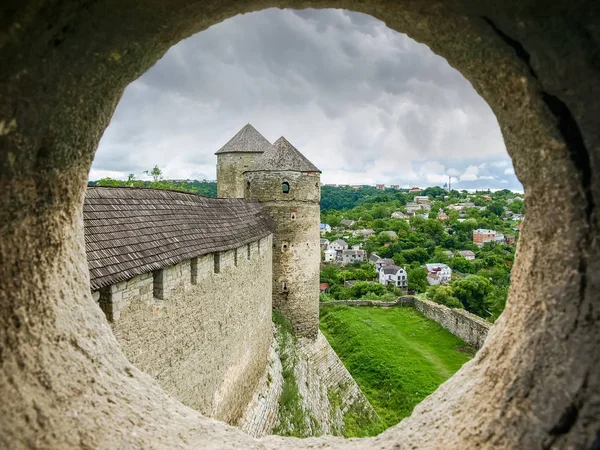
pixel 261 415
pixel 207 344
pixel 230 173
pixel 469 327
pixel 171 279
pixel 296 251
pixel 532 385
pixel 118 299
pixel 319 373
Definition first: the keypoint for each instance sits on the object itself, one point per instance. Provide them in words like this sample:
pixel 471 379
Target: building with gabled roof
pixel 237 156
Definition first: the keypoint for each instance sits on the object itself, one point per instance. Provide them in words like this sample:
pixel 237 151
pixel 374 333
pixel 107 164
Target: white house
pixel 330 255
pixel 338 245
pixel 399 215
pixel 383 262
pixel 421 198
pixel 364 232
pixel 347 223
pixel 353 256
pixel 325 228
pixel 392 274
pixel 438 274
pixel 467 254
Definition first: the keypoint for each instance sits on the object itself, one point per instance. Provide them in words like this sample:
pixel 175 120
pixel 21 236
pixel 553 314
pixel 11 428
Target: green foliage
pixel 517 206
pixel 203 188
pixel 417 279
pixel 472 292
pixel 444 295
pixel 396 355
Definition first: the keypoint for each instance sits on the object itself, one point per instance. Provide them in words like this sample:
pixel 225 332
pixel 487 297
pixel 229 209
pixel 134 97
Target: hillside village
pixel 428 241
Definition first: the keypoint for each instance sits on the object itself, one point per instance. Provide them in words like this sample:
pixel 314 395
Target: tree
pixel 472 292
pixel 155 173
pixel 417 279
pixel 496 208
pixel 444 295
pixel 517 206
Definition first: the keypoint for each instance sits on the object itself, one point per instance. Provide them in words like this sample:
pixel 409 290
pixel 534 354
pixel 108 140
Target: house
pixel 467 254
pixel 414 207
pixel 364 232
pixel 390 234
pixel 324 288
pixel 518 226
pixel 347 223
pixel 383 262
pixel 438 274
pixel 415 189
pixel 324 228
pixel 481 236
pixel 421 198
pixel 449 253
pixel 357 246
pixel 399 215
pixel 380 187
pixel 330 255
pixel 510 239
pixel 486 197
pixel 392 274
pixel 442 215
pixel 395 186
pixel 324 243
pixel 353 256
pixel 374 258
pixel 338 245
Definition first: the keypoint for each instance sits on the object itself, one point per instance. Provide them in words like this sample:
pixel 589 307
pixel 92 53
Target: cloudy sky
pixel 366 104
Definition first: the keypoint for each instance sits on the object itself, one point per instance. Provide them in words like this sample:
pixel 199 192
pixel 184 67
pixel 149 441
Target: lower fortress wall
pixel 202 328
pixel 470 328
pixel 325 391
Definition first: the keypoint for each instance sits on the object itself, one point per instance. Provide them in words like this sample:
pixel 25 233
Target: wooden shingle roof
pixel 131 231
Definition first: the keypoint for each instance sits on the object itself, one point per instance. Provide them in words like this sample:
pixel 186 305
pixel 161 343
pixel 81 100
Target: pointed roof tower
pixel 283 156
pixel 247 140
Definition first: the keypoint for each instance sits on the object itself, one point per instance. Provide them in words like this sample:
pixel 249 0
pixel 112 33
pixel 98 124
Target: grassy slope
pixel 396 355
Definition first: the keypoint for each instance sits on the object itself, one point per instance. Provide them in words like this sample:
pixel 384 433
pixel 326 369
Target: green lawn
pixel 397 356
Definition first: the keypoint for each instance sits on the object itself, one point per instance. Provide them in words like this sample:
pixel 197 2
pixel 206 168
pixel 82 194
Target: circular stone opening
pixel 533 384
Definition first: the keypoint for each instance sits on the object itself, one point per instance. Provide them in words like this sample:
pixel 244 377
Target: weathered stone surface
pixel 64 381
pixel 296 250
pixel 260 416
pixel 207 344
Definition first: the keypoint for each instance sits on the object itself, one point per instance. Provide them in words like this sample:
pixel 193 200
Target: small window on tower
pixel 285 187
pixel 284 287
pixel 293 214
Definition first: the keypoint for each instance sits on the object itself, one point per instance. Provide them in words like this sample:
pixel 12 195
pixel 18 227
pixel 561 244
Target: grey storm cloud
pixel 366 104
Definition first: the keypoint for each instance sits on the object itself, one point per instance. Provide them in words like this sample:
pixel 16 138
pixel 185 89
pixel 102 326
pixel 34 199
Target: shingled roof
pixel 283 156
pixel 131 231
pixel 247 140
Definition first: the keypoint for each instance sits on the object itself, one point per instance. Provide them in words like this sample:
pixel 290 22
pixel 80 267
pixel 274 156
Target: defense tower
pixel 237 156
pixel 288 186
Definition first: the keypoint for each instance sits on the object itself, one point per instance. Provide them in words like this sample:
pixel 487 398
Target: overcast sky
pixel 364 103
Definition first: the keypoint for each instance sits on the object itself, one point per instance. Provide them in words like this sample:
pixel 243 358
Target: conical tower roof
pixel 247 140
pixel 283 156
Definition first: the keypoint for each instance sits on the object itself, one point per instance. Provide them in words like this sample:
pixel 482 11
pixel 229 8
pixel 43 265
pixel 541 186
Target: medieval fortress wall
pixel 189 284
pixel 202 328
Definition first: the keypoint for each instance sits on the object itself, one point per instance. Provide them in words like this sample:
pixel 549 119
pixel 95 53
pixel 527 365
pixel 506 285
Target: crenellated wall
pixel 201 327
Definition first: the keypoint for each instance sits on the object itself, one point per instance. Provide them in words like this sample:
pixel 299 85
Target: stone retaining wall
pixel 470 328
